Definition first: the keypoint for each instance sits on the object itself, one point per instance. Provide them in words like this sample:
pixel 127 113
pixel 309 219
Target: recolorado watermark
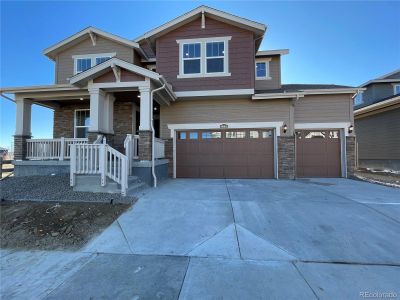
pixel 379 295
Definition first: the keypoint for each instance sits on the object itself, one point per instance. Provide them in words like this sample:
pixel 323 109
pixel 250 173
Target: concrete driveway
pixel 231 239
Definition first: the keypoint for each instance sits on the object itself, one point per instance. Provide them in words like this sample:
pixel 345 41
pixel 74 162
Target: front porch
pixel 113 105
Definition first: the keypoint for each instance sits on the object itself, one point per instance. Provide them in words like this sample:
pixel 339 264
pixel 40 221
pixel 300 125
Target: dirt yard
pixel 52 226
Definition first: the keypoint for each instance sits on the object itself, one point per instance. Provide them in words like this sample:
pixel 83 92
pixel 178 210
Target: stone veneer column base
pixel 351 155
pixel 286 157
pixel 20 146
pixel 145 144
pixel 169 154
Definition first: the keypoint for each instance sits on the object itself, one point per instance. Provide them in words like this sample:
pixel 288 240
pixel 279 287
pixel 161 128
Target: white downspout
pixel 153 133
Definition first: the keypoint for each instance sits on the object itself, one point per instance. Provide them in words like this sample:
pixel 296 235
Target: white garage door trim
pixel 270 125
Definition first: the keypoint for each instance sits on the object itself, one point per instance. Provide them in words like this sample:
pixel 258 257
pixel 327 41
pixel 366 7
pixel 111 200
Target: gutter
pixel 153 133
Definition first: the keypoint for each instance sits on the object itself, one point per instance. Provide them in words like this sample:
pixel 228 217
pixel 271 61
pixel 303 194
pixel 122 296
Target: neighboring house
pixel 377 122
pixel 220 109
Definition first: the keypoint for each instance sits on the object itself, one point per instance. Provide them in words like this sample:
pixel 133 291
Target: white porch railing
pixel 41 149
pixel 99 159
pixel 159 148
pixel 131 145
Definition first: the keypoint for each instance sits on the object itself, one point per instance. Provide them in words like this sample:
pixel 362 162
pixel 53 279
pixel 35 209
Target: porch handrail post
pixel 62 148
pixel 102 163
pixel 72 169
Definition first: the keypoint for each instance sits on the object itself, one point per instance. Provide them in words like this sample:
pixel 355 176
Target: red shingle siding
pixel 241 56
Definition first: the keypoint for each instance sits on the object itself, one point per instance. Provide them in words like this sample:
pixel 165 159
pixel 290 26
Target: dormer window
pixel 204 57
pixel 86 61
pixel 262 69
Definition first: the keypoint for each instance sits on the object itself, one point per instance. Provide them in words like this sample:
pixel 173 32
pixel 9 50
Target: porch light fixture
pixel 351 128
pixel 155 108
pixel 138 96
pixel 81 99
pixel 284 128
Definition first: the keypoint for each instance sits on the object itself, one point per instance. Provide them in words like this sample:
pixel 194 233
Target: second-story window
pixel 203 57
pixel 86 61
pixel 82 64
pixel 262 70
pixel 191 58
pixel 358 99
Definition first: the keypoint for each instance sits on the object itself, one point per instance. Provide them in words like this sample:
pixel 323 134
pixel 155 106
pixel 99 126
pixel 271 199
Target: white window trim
pixel 92 58
pixel 76 126
pixel 203 57
pixel 394 88
pixel 267 73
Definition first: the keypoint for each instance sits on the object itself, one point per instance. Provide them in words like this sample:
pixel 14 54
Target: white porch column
pixel 109 113
pixel 23 117
pixel 145 119
pixel 96 110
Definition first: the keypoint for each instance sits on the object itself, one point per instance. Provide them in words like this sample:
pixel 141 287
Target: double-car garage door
pixel 249 153
pixel 241 153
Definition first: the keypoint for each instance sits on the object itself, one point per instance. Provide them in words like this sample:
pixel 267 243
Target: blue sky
pixel 330 42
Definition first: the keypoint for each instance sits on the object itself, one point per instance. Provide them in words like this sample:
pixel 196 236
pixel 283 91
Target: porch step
pixel 91 183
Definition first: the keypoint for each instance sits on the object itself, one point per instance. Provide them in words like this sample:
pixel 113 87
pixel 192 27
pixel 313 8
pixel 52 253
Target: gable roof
pixel 393 76
pixel 257 28
pixel 52 51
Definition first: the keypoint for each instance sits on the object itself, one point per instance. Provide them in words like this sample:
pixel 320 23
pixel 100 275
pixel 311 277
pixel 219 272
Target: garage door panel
pixel 213 155
pixel 318 153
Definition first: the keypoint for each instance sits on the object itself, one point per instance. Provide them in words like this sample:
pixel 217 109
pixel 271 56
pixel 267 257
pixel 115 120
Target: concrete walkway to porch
pixel 231 239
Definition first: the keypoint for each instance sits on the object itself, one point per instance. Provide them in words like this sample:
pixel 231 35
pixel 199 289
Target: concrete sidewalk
pixel 231 239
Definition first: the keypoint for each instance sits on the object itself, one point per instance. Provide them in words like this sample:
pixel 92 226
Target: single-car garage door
pixel 318 153
pixel 228 153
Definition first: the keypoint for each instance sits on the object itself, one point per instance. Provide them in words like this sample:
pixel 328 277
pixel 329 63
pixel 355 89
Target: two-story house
pixel 197 99
pixel 377 123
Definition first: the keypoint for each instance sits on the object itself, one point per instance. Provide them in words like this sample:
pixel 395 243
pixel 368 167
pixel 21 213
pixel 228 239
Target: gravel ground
pixel 52 188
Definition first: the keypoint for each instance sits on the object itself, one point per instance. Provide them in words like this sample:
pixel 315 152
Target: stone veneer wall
pixel 64 123
pixel 20 146
pixel 351 155
pixel 286 157
pixel 64 120
pixel 169 154
pixel 145 144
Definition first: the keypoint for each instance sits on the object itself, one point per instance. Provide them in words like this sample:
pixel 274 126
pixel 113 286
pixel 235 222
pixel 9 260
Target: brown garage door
pixel 318 153
pixel 241 153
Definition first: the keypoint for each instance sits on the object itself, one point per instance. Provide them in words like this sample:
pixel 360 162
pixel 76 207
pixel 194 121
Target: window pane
pixel 191 66
pixel 333 134
pixel 82 132
pixel 215 65
pixel 211 135
pixel 182 135
pixel 83 64
pixel 397 89
pixel 266 134
pixel 193 135
pixel 253 134
pixel 191 50
pixel 215 49
pixel 100 60
pixel 315 134
pixel 82 117
pixel 261 69
pixel 235 134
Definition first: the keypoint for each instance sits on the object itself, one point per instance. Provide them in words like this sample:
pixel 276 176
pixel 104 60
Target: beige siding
pixel 324 108
pixel 378 136
pixel 274 73
pixel 222 111
pixel 65 62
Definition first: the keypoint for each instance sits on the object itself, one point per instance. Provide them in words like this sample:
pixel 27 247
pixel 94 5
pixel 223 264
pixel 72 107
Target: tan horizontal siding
pixel 241 56
pixel 274 73
pixel 222 111
pixel 324 108
pixel 65 62
pixel 378 136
